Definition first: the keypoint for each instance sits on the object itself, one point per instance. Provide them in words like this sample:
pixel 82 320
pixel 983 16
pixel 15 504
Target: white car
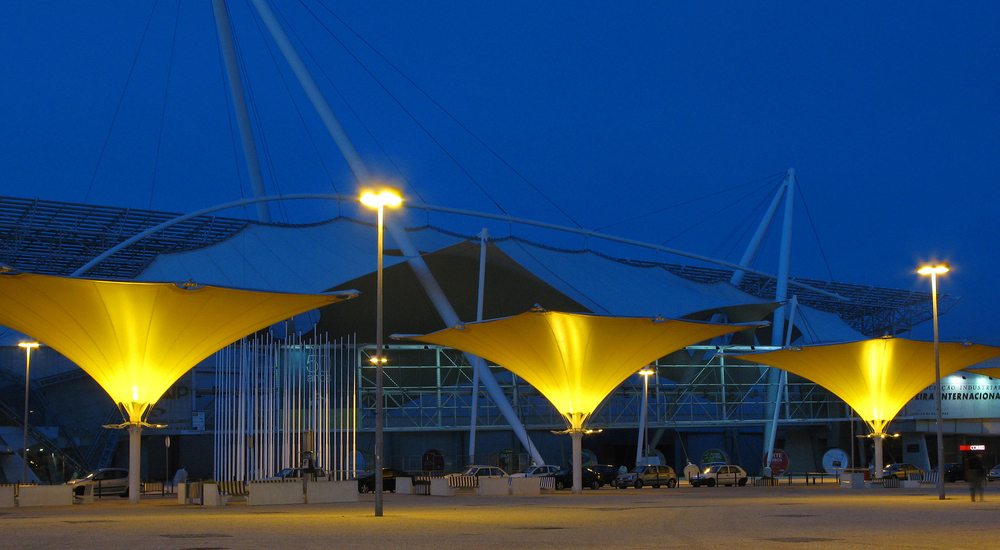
pixel 538 471
pixel 721 474
pixel 106 481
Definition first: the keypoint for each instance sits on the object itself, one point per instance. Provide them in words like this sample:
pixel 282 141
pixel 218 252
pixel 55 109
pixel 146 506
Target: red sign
pixel 778 462
pixel 972 447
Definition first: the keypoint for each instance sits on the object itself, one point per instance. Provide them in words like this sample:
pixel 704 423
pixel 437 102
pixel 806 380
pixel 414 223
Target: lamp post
pixel 379 198
pixel 933 271
pixel 643 445
pixel 28 346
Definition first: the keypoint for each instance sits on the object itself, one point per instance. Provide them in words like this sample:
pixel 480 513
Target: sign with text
pixel 778 462
pixel 714 455
pixel 963 395
pixel 835 460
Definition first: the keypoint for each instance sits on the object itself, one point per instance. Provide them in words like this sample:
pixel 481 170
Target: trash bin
pixel 193 493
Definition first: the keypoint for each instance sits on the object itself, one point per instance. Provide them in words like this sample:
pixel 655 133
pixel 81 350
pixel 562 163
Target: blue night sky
pixel 888 112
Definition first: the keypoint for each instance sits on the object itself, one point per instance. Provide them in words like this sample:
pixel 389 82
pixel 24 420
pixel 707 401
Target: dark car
pixel 564 479
pixel 901 471
pixel 606 473
pixel 366 481
pixel 954 471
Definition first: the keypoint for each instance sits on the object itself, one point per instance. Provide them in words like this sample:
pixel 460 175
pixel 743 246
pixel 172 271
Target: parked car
pixel 564 479
pixel 106 481
pixel 538 471
pixel 954 471
pixel 721 474
pixel 366 481
pixel 606 473
pixel 993 474
pixel 476 470
pixel 901 471
pixel 296 473
pixel 648 474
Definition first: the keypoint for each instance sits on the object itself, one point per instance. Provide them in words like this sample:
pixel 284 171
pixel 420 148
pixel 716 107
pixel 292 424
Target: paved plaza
pixel 797 516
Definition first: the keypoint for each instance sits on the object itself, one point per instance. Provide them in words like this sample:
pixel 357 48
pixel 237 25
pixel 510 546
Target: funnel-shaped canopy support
pixel 575 360
pixel 136 339
pixel 875 377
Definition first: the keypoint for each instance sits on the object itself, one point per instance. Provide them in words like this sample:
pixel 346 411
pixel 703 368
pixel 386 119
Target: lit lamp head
pixel 934 269
pixel 381 196
pixel 28 345
pixel 646 372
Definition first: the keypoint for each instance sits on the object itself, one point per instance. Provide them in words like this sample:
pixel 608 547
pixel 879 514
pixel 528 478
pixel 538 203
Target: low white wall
pixel 525 486
pixel 440 487
pixel 45 495
pixel 212 496
pixel 852 481
pixel 332 491
pixel 263 493
pixel 490 486
pixel 88 494
pixel 404 485
pixel 7 496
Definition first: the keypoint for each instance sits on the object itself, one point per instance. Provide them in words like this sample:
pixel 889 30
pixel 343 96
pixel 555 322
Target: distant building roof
pixel 51 237
pixel 56 238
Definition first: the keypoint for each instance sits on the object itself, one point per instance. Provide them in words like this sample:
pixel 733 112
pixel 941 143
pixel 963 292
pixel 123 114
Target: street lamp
pixel 643 445
pixel 28 346
pixel 379 198
pixel 934 271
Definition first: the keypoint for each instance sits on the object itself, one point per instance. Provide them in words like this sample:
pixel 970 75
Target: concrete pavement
pixel 798 516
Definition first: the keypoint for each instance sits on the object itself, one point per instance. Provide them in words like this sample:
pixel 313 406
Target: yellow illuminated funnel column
pixel 875 377
pixel 136 339
pixel 575 360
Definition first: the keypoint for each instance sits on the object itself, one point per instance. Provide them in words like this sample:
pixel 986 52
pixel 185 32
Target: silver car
pixel 538 471
pixel 648 474
pixel 106 481
pixel 993 474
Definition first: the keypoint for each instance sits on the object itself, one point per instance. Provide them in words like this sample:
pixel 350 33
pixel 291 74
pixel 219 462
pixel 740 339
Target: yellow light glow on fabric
pixel 575 360
pixel 136 339
pixel 875 377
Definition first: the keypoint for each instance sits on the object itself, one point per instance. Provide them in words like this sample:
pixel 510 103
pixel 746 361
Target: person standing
pixel 974 475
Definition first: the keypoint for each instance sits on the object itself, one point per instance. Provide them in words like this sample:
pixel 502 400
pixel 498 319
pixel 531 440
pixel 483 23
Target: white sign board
pixel 963 395
pixel 835 460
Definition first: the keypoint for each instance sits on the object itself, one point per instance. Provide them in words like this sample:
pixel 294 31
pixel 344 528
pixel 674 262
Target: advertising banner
pixel 963 395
